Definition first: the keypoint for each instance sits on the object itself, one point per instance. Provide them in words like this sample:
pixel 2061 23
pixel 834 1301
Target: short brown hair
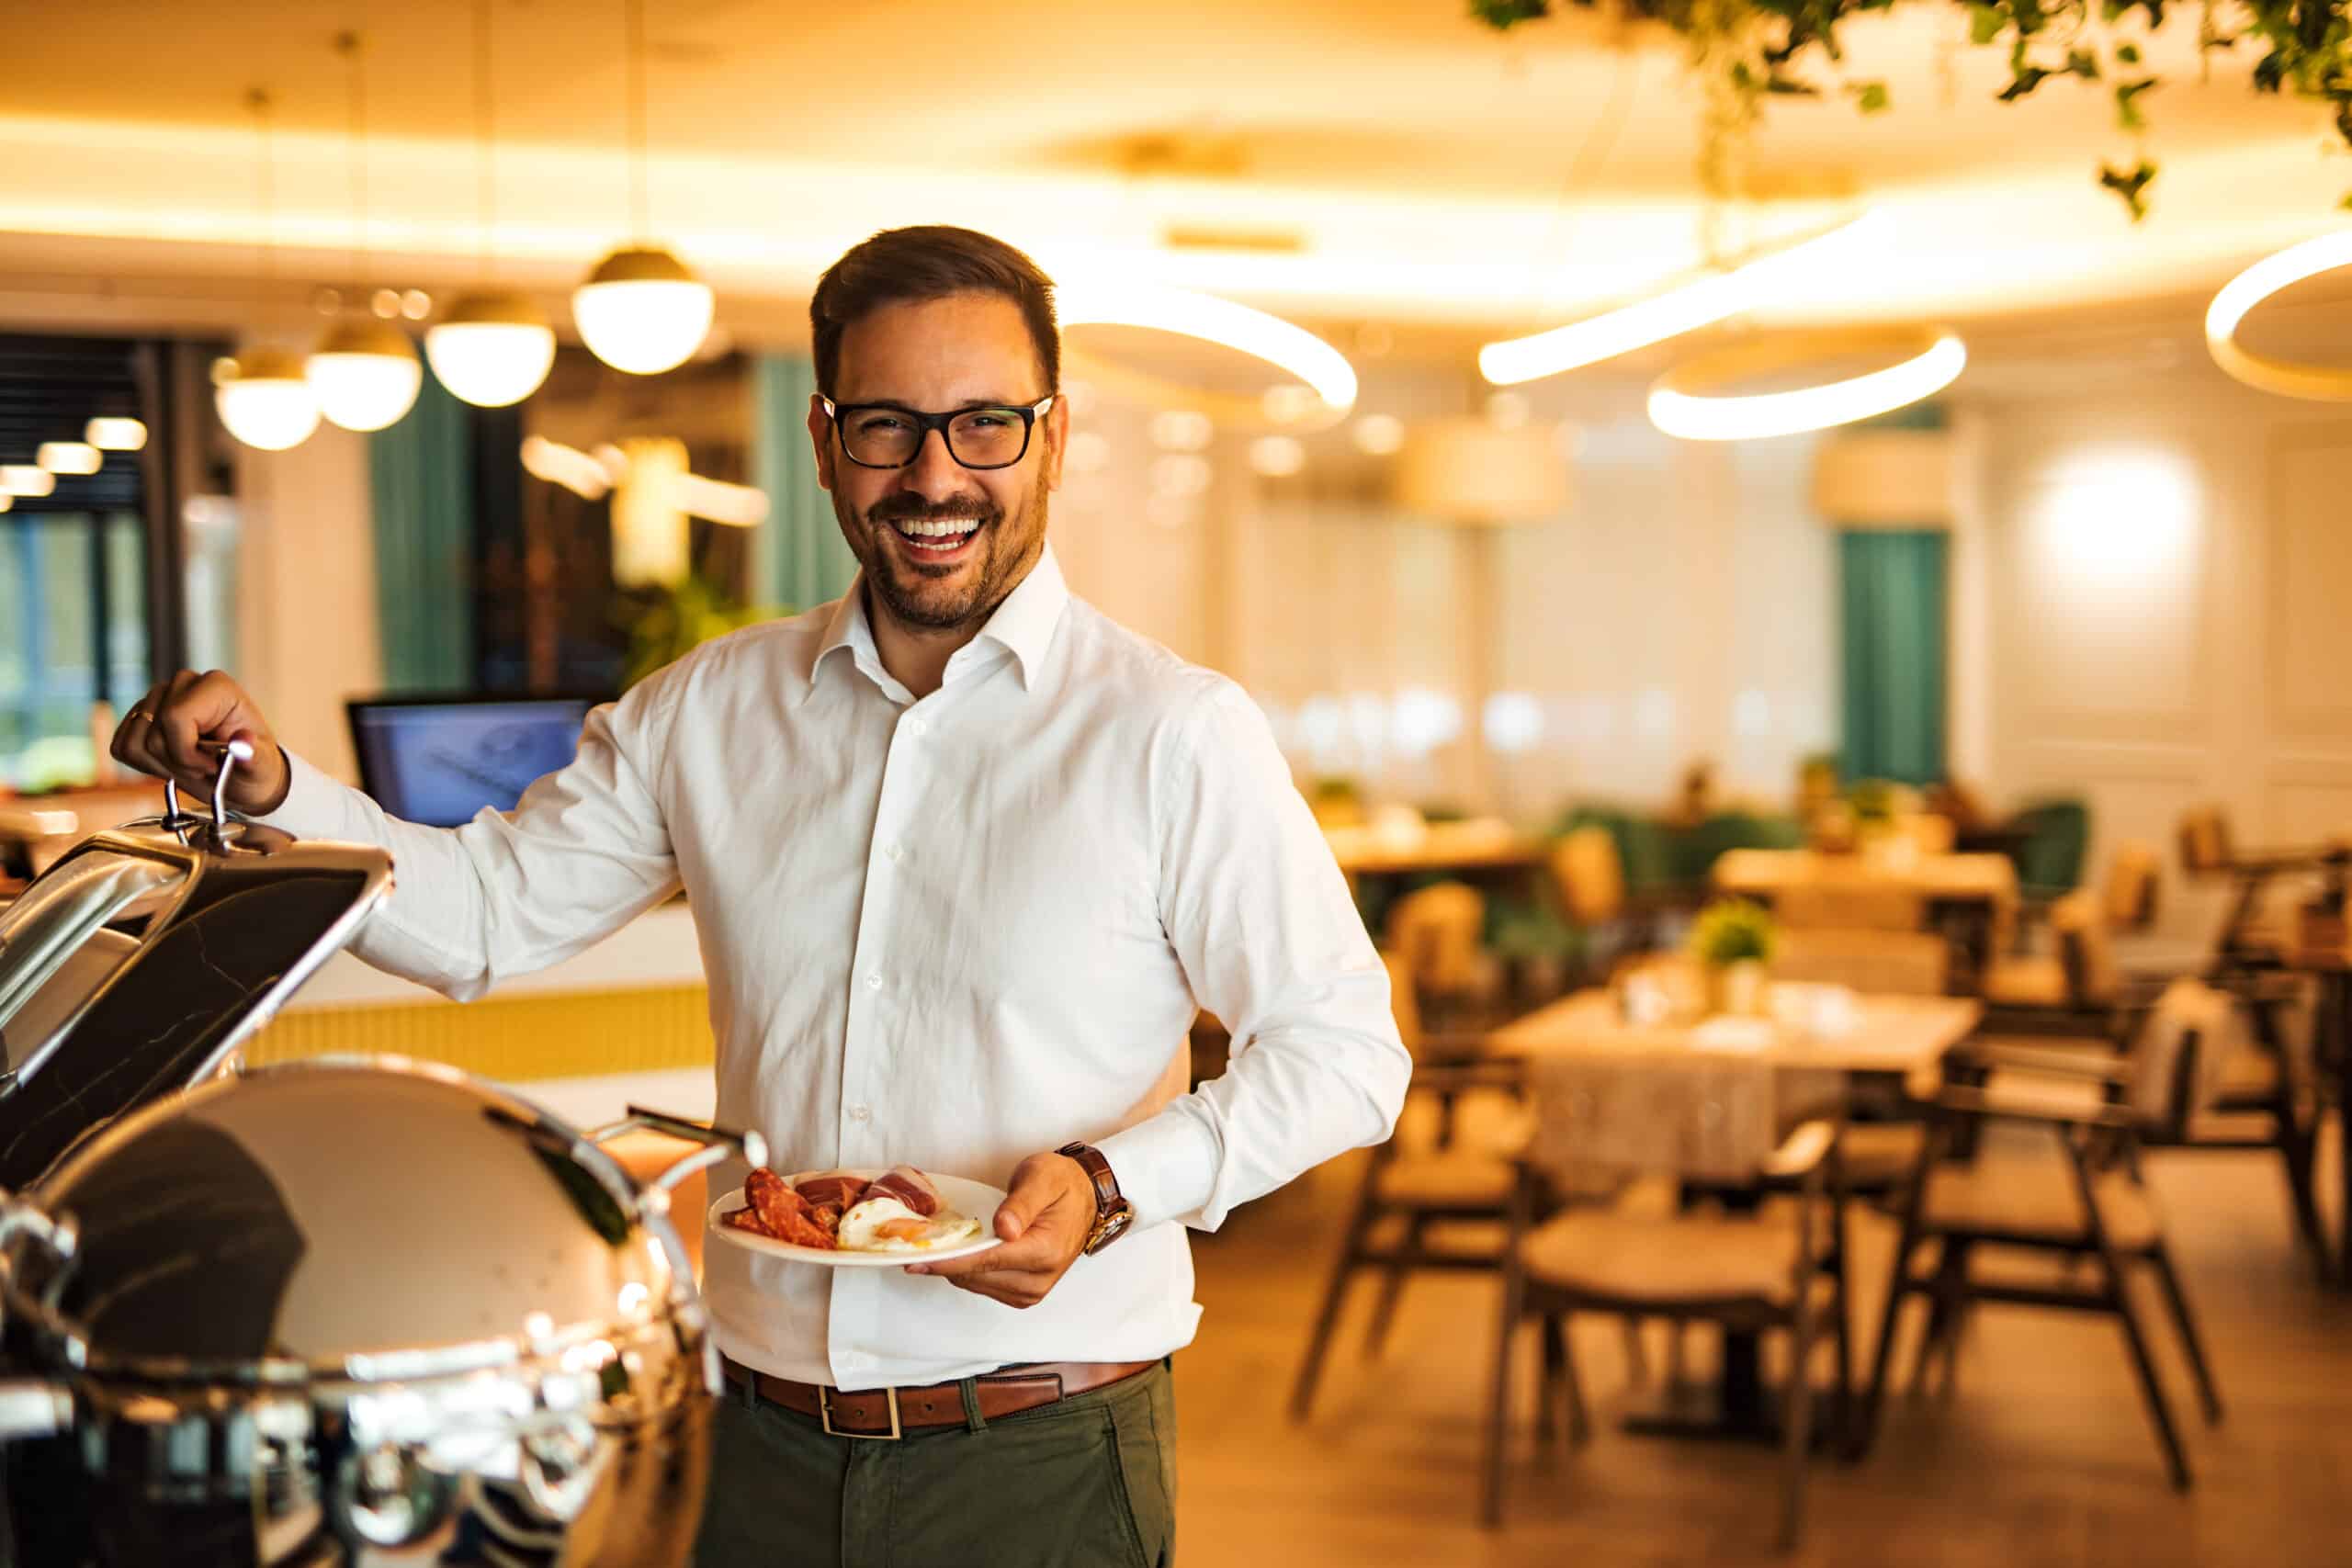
pixel 902 267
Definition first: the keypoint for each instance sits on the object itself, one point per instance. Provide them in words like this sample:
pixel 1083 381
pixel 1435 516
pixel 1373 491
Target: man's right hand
pixel 178 731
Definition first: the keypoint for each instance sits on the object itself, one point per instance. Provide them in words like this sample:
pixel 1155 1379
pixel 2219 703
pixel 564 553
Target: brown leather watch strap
pixel 1098 1170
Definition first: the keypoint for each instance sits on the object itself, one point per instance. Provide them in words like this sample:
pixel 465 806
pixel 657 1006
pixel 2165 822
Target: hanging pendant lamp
pixel 493 347
pixel 365 370
pixel 641 310
pixel 263 396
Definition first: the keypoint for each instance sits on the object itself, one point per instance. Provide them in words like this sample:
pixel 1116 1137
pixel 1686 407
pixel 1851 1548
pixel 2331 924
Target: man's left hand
pixel 1042 1223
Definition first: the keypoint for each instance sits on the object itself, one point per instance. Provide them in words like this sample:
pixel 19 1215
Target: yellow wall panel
pixel 511 1040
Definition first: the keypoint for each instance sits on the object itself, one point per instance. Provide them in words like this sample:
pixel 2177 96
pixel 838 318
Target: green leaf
pixel 2027 78
pixel 1983 24
pixel 2084 64
pixel 2132 186
pixel 2127 109
pixel 2127 55
pixel 1499 14
pixel 1869 96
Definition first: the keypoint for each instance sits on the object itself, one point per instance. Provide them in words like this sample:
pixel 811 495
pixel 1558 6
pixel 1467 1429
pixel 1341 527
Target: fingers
pixel 1036 1253
pixel 178 730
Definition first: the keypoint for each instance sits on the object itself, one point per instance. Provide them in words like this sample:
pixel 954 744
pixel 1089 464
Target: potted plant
pixel 1733 940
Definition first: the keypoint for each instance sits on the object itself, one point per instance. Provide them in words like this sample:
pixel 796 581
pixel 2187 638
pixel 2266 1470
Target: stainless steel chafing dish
pixel 354 1313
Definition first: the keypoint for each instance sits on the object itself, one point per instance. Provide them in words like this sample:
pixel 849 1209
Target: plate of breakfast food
pixel 853 1218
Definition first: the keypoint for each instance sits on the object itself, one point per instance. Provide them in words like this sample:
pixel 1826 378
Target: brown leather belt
pixel 889 1412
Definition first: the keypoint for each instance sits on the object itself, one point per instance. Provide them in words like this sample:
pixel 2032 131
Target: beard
pixel 946 597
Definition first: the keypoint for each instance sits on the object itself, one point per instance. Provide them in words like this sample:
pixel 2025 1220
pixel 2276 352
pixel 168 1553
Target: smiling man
pixel 965 857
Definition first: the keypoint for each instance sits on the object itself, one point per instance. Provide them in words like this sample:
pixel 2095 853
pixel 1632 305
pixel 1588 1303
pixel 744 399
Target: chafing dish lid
pixel 146 954
pixel 377 1219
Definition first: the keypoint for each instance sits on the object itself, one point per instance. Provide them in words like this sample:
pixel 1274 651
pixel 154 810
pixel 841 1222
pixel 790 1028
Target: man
pixel 964 856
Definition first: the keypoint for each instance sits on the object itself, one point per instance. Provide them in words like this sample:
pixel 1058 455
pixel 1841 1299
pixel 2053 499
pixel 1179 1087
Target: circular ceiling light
pixel 1683 401
pixel 1292 349
pixel 115 434
pixel 491 350
pixel 69 457
pixel 2237 299
pixel 365 373
pixel 266 399
pixel 642 310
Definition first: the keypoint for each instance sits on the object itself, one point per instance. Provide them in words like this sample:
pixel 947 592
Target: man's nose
pixel 934 474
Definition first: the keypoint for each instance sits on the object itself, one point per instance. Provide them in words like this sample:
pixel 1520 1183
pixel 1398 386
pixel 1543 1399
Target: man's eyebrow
pixel 964 407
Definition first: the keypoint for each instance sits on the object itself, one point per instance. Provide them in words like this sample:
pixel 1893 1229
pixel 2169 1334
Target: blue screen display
pixel 441 764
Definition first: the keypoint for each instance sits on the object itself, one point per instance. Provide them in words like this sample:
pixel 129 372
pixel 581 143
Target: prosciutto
pixel 908 1186
pixel 832 1189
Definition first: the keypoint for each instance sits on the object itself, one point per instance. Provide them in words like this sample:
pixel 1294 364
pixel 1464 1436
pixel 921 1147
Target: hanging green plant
pixel 1748 50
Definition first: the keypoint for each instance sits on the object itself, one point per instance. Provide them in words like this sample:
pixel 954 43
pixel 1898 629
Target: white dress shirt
pixel 952 932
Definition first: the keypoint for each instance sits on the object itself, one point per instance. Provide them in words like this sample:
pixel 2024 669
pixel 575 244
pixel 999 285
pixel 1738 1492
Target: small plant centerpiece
pixel 1733 940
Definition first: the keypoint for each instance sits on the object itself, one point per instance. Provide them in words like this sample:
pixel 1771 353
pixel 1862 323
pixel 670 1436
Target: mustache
pixel 915 509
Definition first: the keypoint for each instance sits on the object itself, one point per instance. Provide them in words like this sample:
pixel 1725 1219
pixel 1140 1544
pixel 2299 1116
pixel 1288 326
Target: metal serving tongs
pixel 232 754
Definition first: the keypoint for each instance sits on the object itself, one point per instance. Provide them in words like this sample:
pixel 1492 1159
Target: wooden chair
pixel 2208 850
pixel 1849 906
pixel 2083 1202
pixel 1424 1193
pixel 1589 876
pixel 1775 1267
pixel 2081 974
pixel 1437 931
pixel 1874 1156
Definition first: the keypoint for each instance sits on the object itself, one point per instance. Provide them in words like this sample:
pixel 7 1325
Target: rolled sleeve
pixel 1271 942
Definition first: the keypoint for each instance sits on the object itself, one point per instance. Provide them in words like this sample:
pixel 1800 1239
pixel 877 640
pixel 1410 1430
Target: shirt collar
pixel 1023 624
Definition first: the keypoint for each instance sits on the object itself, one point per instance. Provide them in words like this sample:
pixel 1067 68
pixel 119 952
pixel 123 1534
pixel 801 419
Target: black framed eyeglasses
pixel 884 436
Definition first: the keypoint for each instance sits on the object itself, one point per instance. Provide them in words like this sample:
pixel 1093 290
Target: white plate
pixel 977 1198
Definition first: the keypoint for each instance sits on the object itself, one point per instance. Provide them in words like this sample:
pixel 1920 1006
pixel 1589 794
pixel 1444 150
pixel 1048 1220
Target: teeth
pixel 950 529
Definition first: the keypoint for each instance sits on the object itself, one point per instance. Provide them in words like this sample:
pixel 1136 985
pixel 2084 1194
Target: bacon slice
pixel 783 1214
pixel 837 1188
pixel 744 1220
pixel 908 1186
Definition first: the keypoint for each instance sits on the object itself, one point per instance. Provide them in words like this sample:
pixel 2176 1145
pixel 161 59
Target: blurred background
pixel 1637 457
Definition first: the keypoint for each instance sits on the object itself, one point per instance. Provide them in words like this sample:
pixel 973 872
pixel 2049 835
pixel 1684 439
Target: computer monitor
pixel 440 760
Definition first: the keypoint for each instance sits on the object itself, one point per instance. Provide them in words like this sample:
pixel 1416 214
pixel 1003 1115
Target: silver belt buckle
pixel 825 1418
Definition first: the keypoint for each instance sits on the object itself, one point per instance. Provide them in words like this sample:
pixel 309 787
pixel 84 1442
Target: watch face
pixel 1109 1229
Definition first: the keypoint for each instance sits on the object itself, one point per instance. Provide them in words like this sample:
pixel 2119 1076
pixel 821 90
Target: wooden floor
pixel 2041 1456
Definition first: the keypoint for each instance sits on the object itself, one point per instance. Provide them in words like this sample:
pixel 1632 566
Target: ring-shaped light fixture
pixel 1683 402
pixel 2237 299
pixel 1292 349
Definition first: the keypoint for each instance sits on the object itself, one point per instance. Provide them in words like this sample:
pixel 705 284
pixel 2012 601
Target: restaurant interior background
pixel 2088 588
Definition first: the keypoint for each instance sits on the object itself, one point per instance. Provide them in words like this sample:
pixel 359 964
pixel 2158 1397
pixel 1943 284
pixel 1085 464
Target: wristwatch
pixel 1113 1213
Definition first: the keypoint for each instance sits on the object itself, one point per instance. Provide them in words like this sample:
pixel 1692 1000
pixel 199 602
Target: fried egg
pixel 884 1224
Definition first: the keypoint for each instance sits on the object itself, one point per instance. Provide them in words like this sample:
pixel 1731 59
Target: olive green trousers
pixel 1088 1483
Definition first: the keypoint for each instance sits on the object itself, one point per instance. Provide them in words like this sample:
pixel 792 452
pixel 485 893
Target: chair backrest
pixel 1842 905
pixel 1404 1001
pixel 2177 1060
pixel 1930 833
pixel 1707 1116
pixel 2133 879
pixel 1591 876
pixel 2204 840
pixel 2085 953
pixel 2057 836
pixel 1436 930
pixel 1910 964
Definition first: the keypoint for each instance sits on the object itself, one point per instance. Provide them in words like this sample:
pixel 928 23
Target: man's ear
pixel 820 436
pixel 1057 440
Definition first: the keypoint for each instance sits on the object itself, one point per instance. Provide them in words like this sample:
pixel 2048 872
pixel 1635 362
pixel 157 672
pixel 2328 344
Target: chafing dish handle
pixel 719 1143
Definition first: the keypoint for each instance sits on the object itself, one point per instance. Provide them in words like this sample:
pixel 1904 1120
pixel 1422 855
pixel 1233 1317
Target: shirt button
pixel 896 851
pixel 861 1113
pixel 916 725
pixel 874 982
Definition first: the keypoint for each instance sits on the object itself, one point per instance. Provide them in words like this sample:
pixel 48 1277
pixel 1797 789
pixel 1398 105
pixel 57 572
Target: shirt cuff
pixel 1166 1166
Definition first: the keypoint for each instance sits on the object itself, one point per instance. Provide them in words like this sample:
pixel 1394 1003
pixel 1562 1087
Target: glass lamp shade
pixel 365 373
pixel 115 434
pixel 266 401
pixel 69 457
pixel 643 311
pixel 491 349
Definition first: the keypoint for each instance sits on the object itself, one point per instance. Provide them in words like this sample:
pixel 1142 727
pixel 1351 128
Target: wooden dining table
pixel 1879 1037
pixel 1971 898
